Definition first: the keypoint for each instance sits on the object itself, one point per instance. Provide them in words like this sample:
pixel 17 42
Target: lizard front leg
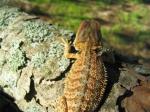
pixel 62 105
pixel 67 48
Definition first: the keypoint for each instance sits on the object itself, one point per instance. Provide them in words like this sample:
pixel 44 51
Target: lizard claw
pixel 66 42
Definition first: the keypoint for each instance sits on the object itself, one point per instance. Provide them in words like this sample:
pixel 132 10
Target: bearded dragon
pixel 86 82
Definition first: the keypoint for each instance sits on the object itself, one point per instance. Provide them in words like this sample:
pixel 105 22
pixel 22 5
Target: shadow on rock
pixel 113 74
pixel 7 103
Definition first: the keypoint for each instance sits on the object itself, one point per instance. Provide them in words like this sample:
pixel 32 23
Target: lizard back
pixel 86 81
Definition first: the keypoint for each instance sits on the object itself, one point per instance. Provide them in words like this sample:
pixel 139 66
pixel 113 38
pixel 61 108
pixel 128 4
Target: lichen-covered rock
pixel 16 58
pixel 31 106
pixel 38 59
pixel 7 15
pixel 31 60
pixel 8 77
pixel 43 30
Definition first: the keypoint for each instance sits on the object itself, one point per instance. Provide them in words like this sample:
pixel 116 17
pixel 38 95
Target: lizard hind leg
pixel 62 105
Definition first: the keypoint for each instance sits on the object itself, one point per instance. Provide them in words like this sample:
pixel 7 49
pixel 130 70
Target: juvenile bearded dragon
pixel 86 81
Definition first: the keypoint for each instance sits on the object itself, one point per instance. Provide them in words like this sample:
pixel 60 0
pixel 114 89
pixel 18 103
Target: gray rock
pixel 31 60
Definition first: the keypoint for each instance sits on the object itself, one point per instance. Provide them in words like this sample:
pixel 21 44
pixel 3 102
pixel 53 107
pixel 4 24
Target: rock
pixel 49 92
pixel 31 106
pixel 32 65
pixel 139 99
pixel 110 103
pixel 127 79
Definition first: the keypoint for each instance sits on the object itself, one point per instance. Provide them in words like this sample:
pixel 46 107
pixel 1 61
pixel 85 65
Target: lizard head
pixel 88 34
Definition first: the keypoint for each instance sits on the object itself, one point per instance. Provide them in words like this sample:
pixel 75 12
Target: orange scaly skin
pixel 86 81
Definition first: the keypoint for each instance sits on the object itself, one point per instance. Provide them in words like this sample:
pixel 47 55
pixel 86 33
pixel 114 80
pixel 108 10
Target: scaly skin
pixel 86 81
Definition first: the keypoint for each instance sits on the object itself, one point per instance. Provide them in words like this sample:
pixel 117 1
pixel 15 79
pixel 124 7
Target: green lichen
pixel 63 63
pixel 66 33
pixel 9 79
pixel 38 59
pixel 7 15
pixel 55 50
pixel 37 31
pixel 57 63
pixel 34 107
pixel 16 58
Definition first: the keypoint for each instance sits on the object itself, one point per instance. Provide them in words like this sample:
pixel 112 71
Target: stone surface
pixel 31 60
pixel 138 98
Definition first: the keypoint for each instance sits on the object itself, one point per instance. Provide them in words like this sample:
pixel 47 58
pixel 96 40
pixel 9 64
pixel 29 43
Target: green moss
pixel 7 15
pixel 16 58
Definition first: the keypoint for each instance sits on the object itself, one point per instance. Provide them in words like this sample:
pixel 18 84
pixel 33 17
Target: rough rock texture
pixel 33 68
pixel 120 83
pixel 31 59
pixel 138 98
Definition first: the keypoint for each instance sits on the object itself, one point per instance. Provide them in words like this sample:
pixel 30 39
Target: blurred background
pixel 125 24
